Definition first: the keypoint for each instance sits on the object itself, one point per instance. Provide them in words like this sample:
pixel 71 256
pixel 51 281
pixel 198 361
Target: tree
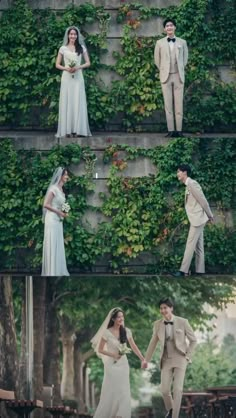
pixel 52 352
pixel 8 348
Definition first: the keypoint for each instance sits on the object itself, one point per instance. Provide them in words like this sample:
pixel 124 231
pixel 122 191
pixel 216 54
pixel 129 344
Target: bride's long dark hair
pixel 123 335
pixel 78 47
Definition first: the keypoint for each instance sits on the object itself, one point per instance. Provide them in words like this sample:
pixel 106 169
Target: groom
pixel 171 57
pixel 171 331
pixel 199 213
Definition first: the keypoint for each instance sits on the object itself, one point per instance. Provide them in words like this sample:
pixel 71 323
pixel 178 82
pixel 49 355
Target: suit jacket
pixel 162 57
pixel 196 205
pixel 181 330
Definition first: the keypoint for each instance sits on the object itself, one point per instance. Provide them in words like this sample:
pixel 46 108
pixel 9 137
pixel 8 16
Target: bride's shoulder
pixel 53 189
pixel 128 332
pixel 62 49
pixel 105 334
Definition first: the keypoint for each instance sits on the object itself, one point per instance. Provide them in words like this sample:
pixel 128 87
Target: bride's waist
pixel 77 74
pixel 111 360
pixel 50 215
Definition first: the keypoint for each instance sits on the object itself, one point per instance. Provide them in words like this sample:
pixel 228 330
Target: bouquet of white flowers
pixel 124 349
pixel 72 64
pixel 65 207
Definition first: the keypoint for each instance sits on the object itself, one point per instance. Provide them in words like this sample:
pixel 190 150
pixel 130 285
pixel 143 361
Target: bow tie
pixel 171 39
pixel 168 322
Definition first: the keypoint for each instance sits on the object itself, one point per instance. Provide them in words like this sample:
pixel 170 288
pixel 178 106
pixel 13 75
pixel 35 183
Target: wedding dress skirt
pixel 115 400
pixel 54 260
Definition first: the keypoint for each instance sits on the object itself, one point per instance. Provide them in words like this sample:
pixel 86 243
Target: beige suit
pixel 198 212
pixel 174 357
pixel 171 59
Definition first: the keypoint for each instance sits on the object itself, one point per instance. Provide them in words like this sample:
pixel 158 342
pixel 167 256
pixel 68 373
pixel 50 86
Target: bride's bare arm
pixel 86 62
pixel 59 66
pixel 48 205
pixel 105 352
pixel 135 348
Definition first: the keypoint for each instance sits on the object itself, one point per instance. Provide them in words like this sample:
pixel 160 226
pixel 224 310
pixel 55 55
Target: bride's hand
pixel 117 357
pixel 63 214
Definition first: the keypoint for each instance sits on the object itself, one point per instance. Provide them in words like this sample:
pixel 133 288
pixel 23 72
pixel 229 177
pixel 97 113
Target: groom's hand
pixel 144 364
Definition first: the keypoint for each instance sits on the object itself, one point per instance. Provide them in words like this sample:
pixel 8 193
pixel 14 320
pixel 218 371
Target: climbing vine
pixel 29 83
pixel 142 220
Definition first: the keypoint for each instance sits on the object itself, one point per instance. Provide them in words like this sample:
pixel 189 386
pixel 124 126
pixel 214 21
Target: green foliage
pixel 29 86
pixel 212 366
pixel 143 216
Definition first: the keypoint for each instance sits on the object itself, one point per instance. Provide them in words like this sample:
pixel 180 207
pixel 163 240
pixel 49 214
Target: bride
pixel 115 400
pixel 73 116
pixel 54 260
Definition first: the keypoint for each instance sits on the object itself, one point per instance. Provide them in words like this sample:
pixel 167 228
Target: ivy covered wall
pixel 143 217
pixel 132 99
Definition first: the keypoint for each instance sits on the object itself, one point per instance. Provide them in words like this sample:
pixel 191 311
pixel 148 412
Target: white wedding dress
pixel 115 400
pixel 54 260
pixel 73 115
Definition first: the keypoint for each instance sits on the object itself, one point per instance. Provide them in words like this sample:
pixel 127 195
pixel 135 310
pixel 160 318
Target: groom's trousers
pixel 195 243
pixel 173 92
pixel 173 370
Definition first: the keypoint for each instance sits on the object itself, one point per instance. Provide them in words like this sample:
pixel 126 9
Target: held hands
pixel 144 364
pixel 72 69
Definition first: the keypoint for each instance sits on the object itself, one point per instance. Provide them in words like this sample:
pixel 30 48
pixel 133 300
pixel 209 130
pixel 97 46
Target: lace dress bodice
pixel 112 343
pixel 57 201
pixel 69 56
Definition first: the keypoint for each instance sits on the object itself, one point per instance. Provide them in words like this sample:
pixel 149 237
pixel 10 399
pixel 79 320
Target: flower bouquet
pixel 124 349
pixel 72 64
pixel 65 207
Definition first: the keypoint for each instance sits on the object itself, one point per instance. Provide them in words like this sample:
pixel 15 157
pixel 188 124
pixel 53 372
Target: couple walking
pixel 171 331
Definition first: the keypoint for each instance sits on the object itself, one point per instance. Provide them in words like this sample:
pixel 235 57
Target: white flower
pixel 65 207
pixel 72 64
pixel 124 349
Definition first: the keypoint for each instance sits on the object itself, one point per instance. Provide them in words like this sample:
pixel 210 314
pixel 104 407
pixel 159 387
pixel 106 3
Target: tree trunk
pixel 78 378
pixel 39 288
pixel 67 336
pixel 22 366
pixel 51 362
pixel 8 346
pixel 80 360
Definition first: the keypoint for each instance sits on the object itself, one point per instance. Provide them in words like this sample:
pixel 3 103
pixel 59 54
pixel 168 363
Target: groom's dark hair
pixel 185 167
pixel 166 301
pixel 169 20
